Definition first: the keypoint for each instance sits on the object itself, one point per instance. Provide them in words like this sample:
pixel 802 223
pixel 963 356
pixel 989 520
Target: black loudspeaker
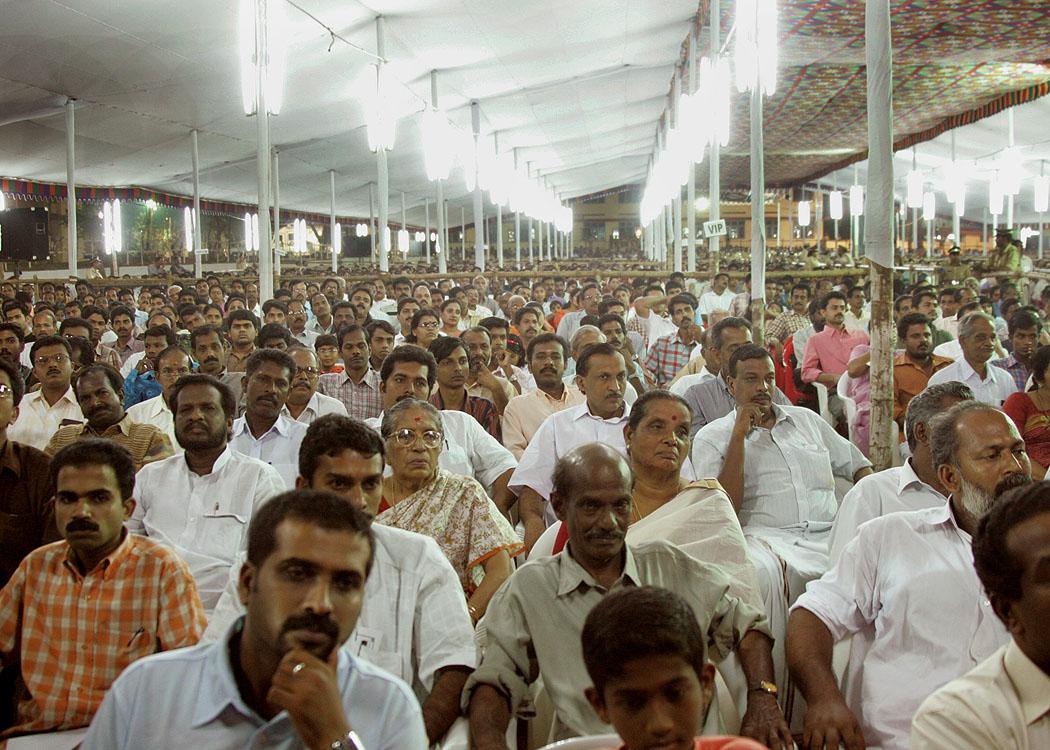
pixel 23 234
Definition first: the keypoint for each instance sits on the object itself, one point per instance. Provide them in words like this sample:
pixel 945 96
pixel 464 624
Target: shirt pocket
pixel 116 645
pixel 19 535
pixel 814 465
pixel 372 645
pixel 223 532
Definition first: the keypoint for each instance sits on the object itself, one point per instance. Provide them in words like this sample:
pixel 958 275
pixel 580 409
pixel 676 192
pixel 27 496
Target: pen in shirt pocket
pixel 137 633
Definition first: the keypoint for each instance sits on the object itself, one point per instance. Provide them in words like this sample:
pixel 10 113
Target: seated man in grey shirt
pixel 533 623
pixel 711 399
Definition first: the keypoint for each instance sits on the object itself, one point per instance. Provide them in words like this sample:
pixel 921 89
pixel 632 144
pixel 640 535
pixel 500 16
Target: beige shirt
pixel 38 421
pixel 482 392
pixel 533 625
pixel 1003 702
pixel 525 413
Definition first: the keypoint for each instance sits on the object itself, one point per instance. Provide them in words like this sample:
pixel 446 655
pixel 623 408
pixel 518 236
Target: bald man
pixel 539 611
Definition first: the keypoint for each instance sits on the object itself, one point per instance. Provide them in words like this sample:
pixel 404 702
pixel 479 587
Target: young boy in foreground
pixel 644 651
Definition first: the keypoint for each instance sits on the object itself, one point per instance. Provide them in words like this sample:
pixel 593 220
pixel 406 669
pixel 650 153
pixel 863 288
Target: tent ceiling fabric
pixel 950 57
pixel 576 87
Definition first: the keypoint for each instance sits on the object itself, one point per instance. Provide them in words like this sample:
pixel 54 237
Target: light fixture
pixel 299 235
pixel 403 241
pixel 249 245
pixel 835 204
pixel 337 239
pixel 915 185
pixel 421 236
pixel 856 200
pixel 274 57
pixel 929 206
pixel 151 205
pixel 112 229
pixel 995 198
pixel 433 236
pixel 3 202
pixel 803 213
pixel 361 230
pixel 1042 194
pixel 439 144
pixel 960 200
pixel 1011 170
pixel 187 225
pixel 380 117
pixel 755 54
pixel 702 204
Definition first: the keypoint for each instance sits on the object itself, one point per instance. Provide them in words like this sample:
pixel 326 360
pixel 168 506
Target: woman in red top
pixel 1030 411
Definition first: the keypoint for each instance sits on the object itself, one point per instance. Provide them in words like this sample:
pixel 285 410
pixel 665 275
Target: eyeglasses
pixel 6 391
pixel 430 324
pixel 310 372
pixel 406 438
pixel 168 372
pixel 46 359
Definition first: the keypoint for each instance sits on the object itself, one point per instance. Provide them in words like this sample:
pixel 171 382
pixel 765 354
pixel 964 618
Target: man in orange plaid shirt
pixel 77 612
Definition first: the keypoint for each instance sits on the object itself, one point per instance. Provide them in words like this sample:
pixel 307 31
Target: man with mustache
pixel 209 349
pixel 100 393
pixel 357 386
pixel 77 612
pixel 481 381
pixel 533 624
pixel 913 367
pixel 200 502
pixel 172 364
pixel 242 327
pixel 990 384
pixel 828 353
pixel 140 369
pixel 264 432
pixel 906 589
pixel 1024 328
pixel 304 403
pixel 278 677
pixel 410 372
pixel 43 411
pixel 411 582
pixel 296 321
pixel 12 345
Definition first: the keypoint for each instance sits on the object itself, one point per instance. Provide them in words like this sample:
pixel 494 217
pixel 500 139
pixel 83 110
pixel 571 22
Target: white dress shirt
pixel 684 383
pixel 306 338
pixel 1004 702
pixel 190 697
pixel 469 450
pixel 709 301
pixel 37 421
pixel 889 491
pixel 996 387
pixel 131 363
pixel 279 446
pixel 789 469
pixel 905 587
pixel 155 411
pixel 413 620
pixel 318 406
pixel 203 518
pixel 951 349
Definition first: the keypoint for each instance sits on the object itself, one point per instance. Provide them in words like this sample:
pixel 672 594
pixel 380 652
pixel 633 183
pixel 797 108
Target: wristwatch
pixel 350 742
pixel 765 687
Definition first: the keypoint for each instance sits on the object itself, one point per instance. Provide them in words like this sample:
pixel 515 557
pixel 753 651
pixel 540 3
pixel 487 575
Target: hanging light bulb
pixel 380 119
pixel 337 239
pixel 929 206
pixel 1042 194
pixel 187 226
pixel 1010 171
pixel 438 144
pixel 255 232
pixel 755 54
pixel 835 204
pixel 275 57
pixel 960 200
pixel 915 185
pixel 856 200
pixel 995 198
pixel 433 236
pixel 248 245
pixel 804 211
pixel 721 96
pixel 403 241
pixel 421 236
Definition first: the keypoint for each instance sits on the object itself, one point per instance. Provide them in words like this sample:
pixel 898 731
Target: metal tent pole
pixel 262 154
pixel 195 156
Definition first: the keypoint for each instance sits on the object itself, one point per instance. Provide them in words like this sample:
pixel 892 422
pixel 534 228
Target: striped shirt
pixel 667 356
pixel 483 410
pixel 145 442
pixel 74 634
pixel 362 400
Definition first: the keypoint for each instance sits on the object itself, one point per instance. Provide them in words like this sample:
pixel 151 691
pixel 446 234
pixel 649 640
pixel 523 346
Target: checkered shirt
pixel 667 356
pixel 362 400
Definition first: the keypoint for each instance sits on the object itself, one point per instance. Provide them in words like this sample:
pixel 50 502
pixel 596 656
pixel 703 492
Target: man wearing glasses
pixel 172 364
pixel 304 403
pixel 43 412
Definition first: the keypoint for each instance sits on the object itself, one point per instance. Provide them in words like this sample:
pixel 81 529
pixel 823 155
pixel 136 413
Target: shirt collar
pixel 907 477
pixel 1032 683
pixel 107 563
pixel 282 427
pixel 572 575
pixel 312 405
pixel 583 410
pixel 124 426
pixel 223 459
pixel 10 460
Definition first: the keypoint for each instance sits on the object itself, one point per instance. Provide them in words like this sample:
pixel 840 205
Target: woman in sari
pixel 1030 411
pixel 452 509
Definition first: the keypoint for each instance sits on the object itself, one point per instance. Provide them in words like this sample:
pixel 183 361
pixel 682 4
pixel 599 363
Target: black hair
pixel 999 571
pixel 248 315
pixel 409 353
pixel 594 350
pixel 641 406
pixel 681 299
pixel 121 310
pixel 745 353
pixel 274 331
pixel 187 309
pixel 605 304
pixel 522 311
pixel 494 322
pixel 332 434
pixel 548 338
pixel 405 301
pixel 900 301
pixel 97 452
pixel 52 340
pixel 376 325
pixel 226 397
pixel 116 382
pixel 326 339
pixel 638 622
pixel 74 323
pixel 1040 361
pixel 611 318
pixel 346 330
pixel 18 386
pixel 274 356
pixel 325 510
pixel 830 296
pixel 88 310
pixel 909 320
pixel 443 346
pixel 16 330
pixel 716 331
pixel 166 332
pixel 204 330
pixel 1022 320
pixel 272 303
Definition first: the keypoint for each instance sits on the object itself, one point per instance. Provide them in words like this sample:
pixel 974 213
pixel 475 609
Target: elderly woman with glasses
pixel 452 509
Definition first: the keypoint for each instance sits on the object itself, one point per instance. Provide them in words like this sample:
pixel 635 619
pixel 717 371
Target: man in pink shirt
pixel 827 353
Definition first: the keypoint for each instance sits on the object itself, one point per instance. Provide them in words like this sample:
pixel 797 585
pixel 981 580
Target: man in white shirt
pixel 856 317
pixel 410 372
pixel 717 298
pixel 590 297
pixel 906 590
pixel 992 385
pixel 278 678
pixel 42 412
pixel 1004 702
pixel 414 621
pixel 711 365
pixel 296 321
pixel 778 465
pixel 263 432
pixel 914 485
pixel 304 403
pixel 601 376
pixel 525 413
pixel 200 502
pixel 172 364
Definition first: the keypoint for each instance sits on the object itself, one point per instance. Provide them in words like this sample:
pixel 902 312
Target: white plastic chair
pixel 544 546
pixel 849 403
pixel 597 742
pixel 822 403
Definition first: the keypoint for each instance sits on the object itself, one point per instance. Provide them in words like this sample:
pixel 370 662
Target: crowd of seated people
pixel 500 513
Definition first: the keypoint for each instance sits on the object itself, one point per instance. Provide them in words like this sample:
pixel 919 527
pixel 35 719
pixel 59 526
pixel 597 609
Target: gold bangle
pixel 473 612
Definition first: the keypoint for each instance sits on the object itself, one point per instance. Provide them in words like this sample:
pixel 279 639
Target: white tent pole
pixel 758 218
pixel 531 260
pixel 372 219
pixel 442 219
pixel 262 153
pixel 71 190
pixel 426 228
pixel 404 223
pixel 676 204
pixel 914 211
pixel 1042 168
pixel 690 187
pixel 276 217
pixel 333 228
pixel 517 221
pixel 463 231
pixel 499 217
pixel 195 156
pixel 1010 144
pixel 384 186
pixel 714 191
pixel 956 219
pixel 479 207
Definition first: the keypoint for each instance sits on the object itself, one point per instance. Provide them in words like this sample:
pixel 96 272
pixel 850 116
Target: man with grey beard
pixel 906 590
